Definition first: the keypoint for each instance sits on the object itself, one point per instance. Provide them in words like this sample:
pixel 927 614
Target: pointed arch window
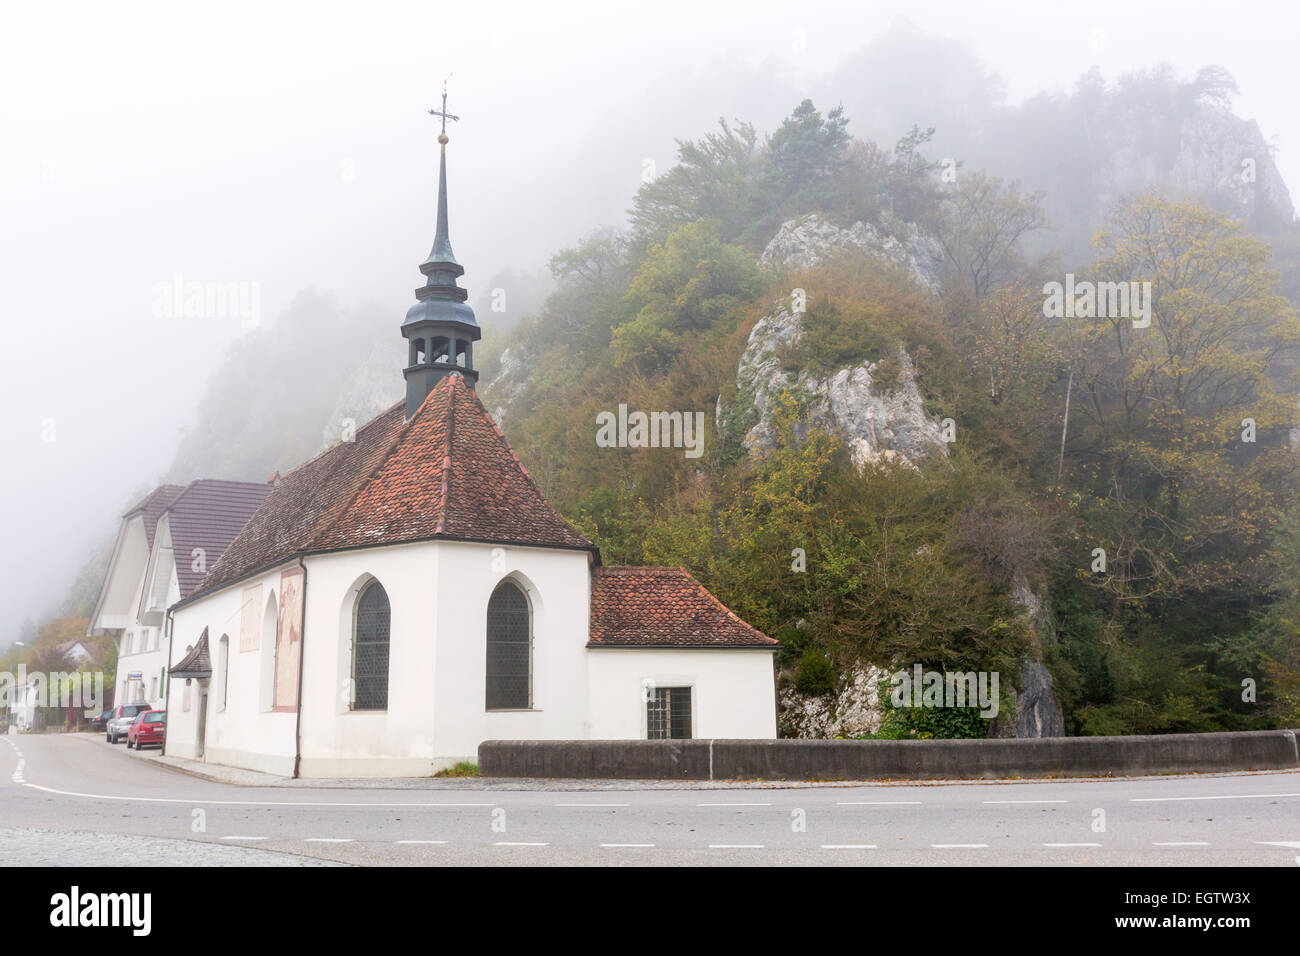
pixel 509 649
pixel 370 649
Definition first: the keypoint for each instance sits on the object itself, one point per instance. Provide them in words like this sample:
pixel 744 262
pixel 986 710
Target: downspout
pixel 302 655
pixel 167 676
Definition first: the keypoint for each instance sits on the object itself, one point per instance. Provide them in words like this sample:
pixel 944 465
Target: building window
pixel 223 671
pixel 509 649
pixel 668 714
pixel 370 650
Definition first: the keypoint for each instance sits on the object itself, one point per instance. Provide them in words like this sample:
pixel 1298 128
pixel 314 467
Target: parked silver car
pixel 120 722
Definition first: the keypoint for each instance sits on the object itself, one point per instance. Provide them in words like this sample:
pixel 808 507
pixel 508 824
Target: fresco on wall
pixel 250 620
pixel 288 647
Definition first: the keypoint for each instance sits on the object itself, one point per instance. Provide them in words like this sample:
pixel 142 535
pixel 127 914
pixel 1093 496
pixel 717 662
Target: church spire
pixel 440 327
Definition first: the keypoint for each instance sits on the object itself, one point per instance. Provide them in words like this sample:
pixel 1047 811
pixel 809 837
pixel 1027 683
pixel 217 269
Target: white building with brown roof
pixel 165 545
pixel 410 593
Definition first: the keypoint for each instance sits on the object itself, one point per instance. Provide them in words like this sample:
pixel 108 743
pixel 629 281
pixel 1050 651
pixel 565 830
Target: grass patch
pixel 462 768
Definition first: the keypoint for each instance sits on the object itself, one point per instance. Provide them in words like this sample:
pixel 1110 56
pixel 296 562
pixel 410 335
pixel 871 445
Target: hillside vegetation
pixel 1191 623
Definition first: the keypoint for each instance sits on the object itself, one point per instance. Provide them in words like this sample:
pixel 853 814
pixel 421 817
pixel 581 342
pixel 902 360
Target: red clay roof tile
pixel 448 472
pixel 662 607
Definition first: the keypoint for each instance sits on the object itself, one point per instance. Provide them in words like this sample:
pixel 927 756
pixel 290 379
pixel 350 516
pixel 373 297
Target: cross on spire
pixel 442 137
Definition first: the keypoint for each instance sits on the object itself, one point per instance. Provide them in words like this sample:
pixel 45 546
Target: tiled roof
pixel 151 508
pixel 448 472
pixel 197 663
pixel 662 607
pixel 207 516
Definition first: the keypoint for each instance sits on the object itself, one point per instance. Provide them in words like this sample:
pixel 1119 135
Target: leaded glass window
pixel 370 650
pixel 668 714
pixel 509 649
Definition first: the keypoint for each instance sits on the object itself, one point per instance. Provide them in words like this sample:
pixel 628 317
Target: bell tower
pixel 440 328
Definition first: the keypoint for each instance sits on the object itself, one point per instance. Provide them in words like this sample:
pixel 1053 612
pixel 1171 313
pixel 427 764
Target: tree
pixel 803 158
pixel 980 226
pixel 684 286
pixel 716 178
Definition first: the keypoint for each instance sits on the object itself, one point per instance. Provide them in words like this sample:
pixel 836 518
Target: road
pixel 76 799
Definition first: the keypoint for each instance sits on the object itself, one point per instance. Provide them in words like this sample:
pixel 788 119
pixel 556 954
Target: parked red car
pixel 148 728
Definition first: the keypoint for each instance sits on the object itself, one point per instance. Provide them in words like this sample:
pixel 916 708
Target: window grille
pixel 370 650
pixel 668 714
pixel 509 649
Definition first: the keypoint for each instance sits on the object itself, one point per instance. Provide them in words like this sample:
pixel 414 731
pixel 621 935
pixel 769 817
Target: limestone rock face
pixel 505 385
pixel 881 421
pixel 1217 155
pixel 371 389
pixel 852 712
pixel 805 242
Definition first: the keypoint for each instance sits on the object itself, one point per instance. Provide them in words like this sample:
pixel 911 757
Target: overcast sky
pixel 286 145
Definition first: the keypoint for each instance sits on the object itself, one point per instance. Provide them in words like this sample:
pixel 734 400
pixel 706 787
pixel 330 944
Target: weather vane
pixel 442 137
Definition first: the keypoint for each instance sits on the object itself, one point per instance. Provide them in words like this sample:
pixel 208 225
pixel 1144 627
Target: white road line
pixel 1223 796
pixel 1291 845
pixel 423 842
pixel 592 804
pixel 733 804
pixel 878 803
pixel 329 840
pixel 520 844
pixel 960 846
pixel 849 846
pixel 617 846
pixel 1181 843
pixel 194 801
pixel 1066 845
pixel 735 846
pixel 1026 801
pixel 242 838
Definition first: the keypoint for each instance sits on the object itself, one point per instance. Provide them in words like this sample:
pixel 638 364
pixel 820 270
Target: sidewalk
pixel 238 777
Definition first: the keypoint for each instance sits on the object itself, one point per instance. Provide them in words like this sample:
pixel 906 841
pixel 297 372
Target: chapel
pixel 410 593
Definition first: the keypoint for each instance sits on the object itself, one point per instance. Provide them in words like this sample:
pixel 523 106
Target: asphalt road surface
pixel 75 799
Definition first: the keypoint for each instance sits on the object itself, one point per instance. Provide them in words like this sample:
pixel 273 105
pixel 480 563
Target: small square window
pixel 668 714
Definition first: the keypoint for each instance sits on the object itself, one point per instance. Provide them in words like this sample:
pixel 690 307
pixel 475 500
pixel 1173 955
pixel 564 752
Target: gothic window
pixel 509 649
pixel 370 650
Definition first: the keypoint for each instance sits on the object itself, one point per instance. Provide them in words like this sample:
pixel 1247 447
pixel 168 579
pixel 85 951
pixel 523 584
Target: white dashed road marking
pixel 1222 796
pixel 849 846
pixel 1026 801
pixel 1290 845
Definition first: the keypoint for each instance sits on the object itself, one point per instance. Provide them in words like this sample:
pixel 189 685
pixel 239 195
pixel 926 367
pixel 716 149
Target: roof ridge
pixel 325 524
pixel 523 468
pixel 329 448
pixel 448 450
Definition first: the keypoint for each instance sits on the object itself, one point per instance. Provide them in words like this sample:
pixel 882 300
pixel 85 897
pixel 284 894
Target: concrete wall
pixel 890 759
pixel 733 691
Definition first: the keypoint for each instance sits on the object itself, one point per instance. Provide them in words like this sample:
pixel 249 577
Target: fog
pixel 288 147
